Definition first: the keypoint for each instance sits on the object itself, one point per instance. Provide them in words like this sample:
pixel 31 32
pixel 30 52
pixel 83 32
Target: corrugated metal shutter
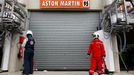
pixel 62 39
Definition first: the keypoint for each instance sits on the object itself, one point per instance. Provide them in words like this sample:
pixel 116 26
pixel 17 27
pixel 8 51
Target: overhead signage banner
pixel 64 4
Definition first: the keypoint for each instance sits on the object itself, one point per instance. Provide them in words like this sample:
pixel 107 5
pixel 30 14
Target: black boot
pixel 90 74
pixel 99 74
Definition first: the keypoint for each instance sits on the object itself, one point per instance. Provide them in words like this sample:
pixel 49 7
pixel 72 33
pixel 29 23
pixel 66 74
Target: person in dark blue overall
pixel 29 54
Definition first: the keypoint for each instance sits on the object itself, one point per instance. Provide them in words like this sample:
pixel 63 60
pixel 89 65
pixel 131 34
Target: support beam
pixel 115 54
pixel 15 64
pixel 6 49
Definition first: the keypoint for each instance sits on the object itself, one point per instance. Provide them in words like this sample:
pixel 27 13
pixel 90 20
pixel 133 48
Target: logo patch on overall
pixel 31 42
pixel 99 47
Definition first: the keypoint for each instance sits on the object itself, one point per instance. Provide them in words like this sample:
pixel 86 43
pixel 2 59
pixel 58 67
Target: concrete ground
pixel 66 73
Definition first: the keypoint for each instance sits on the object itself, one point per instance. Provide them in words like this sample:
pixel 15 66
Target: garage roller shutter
pixel 62 39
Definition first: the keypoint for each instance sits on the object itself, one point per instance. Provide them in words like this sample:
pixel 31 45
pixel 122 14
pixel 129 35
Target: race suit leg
pixel 100 62
pixel 92 66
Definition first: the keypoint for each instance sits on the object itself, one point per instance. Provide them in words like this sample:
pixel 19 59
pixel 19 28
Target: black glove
pixel 103 57
pixel 18 55
pixel 88 54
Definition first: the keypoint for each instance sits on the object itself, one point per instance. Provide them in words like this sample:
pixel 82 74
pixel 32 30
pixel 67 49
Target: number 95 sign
pixel 86 3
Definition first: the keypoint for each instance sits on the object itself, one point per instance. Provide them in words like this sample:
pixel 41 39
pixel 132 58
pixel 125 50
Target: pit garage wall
pixel 94 4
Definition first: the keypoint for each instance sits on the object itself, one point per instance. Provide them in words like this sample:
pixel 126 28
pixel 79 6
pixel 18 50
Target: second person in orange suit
pixel 96 49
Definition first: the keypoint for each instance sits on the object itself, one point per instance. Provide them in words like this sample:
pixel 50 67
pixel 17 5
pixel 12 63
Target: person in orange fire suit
pixel 96 49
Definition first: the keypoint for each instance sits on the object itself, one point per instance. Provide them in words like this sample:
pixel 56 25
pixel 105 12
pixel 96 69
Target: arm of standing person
pixel 89 49
pixel 23 44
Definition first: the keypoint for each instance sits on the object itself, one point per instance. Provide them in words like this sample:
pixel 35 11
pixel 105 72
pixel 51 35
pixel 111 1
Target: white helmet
pixel 29 32
pixel 95 35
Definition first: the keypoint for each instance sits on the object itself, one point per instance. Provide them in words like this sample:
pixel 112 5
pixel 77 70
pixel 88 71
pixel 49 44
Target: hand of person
pixel 103 57
pixel 88 54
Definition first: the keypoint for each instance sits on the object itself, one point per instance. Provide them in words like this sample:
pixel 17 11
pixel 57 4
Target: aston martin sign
pixel 64 4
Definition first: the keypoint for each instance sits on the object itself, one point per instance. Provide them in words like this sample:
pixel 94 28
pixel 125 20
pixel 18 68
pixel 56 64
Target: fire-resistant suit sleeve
pixel 103 50
pixel 89 49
